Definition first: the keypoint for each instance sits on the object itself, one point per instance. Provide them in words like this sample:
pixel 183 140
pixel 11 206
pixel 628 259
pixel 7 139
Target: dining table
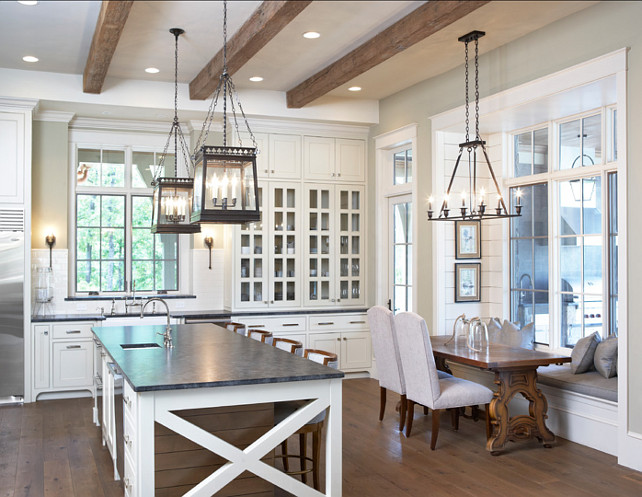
pixel 515 371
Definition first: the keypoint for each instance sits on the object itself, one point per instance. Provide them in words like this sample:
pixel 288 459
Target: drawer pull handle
pixel 357 322
pixel 128 483
pixel 328 323
pixel 73 346
pixel 255 326
pixel 73 332
pixel 290 324
pixel 128 441
pixel 127 401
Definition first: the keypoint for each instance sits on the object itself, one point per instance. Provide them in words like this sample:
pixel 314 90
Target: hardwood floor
pixel 52 448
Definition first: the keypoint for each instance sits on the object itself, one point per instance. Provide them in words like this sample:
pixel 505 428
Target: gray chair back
pixel 386 349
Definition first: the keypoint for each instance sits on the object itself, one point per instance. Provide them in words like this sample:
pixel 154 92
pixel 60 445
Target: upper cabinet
pixel 15 158
pixel 279 155
pixel 333 159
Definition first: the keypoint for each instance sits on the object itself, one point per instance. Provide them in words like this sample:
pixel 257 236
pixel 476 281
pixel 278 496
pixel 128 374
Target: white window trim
pixel 385 144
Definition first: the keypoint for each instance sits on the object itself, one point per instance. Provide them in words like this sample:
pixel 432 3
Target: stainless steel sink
pixel 130 346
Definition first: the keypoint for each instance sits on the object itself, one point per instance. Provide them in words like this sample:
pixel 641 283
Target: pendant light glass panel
pixel 172 201
pixel 226 189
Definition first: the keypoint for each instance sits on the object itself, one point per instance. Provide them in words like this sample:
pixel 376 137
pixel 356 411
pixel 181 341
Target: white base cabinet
pixel 63 357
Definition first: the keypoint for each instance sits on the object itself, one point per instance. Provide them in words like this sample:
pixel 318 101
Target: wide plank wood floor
pixel 51 448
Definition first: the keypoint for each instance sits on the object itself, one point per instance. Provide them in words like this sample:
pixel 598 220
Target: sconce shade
pixel 171 207
pixel 225 186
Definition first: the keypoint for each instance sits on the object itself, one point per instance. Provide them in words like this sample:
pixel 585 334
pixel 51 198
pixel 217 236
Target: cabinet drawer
pixel 129 437
pixel 129 481
pixel 130 400
pixel 275 323
pixel 72 330
pixel 339 322
pixel 73 363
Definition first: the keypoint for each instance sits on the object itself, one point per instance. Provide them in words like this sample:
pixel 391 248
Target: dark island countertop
pixel 204 355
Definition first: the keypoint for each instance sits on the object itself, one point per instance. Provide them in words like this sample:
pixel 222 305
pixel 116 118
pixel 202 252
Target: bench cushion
pixel 589 383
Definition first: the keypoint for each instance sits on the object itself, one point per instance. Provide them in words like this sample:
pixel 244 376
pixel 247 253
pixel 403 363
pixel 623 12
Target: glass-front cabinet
pixel 333 245
pixel 268 261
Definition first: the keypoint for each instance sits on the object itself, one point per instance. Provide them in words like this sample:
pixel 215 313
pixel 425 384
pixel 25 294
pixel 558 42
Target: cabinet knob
pixel 271 301
pixel 272 171
pixel 333 300
pixel 338 300
pixel 338 339
pixel 333 175
pixel 266 171
pixel 46 333
pixel 338 174
pixel 345 338
pixel 265 302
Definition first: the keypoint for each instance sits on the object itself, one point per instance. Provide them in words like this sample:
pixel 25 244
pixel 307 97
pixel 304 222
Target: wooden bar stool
pixel 315 426
pixel 289 345
pixel 260 335
pixel 235 327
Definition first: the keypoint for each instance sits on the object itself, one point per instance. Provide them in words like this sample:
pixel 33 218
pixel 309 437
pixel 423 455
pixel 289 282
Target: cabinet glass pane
pixel 344 268
pixel 258 268
pixel 258 292
pixel 325 199
pixel 355 268
pixel 344 200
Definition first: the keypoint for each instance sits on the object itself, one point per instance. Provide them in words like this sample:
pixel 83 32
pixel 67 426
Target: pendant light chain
pixel 467 112
pixel 477 89
pixel 225 75
pixel 175 124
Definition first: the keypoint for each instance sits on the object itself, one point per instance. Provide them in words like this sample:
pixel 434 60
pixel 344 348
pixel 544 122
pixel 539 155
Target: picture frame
pixel 467 240
pixel 468 282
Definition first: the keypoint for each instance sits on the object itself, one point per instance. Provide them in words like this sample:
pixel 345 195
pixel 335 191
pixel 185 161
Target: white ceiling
pixel 59 33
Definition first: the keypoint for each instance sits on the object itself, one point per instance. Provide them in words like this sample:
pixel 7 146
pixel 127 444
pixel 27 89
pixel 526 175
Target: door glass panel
pixel 401 255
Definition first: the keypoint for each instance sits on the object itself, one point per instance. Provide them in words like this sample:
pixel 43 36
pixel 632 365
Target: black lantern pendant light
pixel 225 185
pixel 173 195
pixel 474 204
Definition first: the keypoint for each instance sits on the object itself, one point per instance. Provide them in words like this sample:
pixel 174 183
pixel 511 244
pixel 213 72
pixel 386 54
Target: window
pixel 402 169
pixel 114 243
pixel 568 224
pixel 401 252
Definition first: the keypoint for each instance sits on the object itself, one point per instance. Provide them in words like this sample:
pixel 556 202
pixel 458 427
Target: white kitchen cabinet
pixel 63 357
pixel 15 130
pixel 353 348
pixel 334 159
pixel 268 264
pixel 333 236
pixel 279 155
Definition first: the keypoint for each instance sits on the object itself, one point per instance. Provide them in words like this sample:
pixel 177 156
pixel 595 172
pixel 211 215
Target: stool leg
pixel 316 456
pixel 303 442
pixel 409 415
pixel 402 412
pixel 284 451
pixel 382 402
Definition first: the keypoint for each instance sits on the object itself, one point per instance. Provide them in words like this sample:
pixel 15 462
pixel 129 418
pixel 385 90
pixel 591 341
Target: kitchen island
pixel 211 367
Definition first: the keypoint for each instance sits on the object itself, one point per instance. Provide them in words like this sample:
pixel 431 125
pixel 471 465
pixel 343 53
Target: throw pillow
pixel 494 330
pixel 528 336
pixel 605 359
pixel 510 334
pixel 584 353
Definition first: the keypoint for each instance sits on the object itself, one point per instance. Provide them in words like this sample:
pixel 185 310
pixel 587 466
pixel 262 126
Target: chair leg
pixel 409 415
pixel 316 456
pixel 284 451
pixel 382 406
pixel 435 428
pixel 402 412
pixel 489 428
pixel 425 410
pixel 454 414
pixel 303 451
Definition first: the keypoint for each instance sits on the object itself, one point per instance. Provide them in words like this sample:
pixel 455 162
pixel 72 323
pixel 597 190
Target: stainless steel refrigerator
pixel 12 287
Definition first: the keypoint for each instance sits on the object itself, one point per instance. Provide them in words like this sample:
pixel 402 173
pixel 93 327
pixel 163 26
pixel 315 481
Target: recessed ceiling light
pixel 30 58
pixel 354 88
pixel 25 2
pixel 311 35
pixel 256 79
pixel 152 70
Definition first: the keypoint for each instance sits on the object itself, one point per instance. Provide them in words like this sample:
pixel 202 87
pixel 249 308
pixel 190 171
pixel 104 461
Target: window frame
pixel 553 177
pixel 128 191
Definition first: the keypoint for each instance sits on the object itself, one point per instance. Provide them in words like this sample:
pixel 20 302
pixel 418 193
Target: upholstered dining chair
pixel 386 351
pixel 315 426
pixel 235 327
pixel 260 335
pixel 289 345
pixel 423 385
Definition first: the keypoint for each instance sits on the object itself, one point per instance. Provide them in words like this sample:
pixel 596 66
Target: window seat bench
pixel 590 383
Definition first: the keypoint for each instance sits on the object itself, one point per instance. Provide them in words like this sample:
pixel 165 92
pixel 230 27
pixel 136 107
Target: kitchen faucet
pixel 133 303
pixel 167 336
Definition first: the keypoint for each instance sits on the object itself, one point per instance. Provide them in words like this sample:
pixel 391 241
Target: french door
pixel 399 245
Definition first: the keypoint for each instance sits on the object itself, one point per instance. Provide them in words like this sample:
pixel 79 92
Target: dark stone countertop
pixel 67 317
pixel 204 355
pixel 221 314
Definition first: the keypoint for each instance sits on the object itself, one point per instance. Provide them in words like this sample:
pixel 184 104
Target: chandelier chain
pixel 175 123
pixel 467 112
pixel 225 75
pixel 477 89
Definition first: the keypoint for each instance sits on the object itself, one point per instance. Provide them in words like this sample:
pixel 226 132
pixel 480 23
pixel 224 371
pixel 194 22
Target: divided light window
pixel 114 243
pixel 576 228
pixel 402 169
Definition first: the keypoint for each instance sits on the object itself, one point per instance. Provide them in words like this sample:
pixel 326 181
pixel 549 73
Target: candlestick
pixel 518 194
pixel 224 187
pixel 463 198
pixel 430 199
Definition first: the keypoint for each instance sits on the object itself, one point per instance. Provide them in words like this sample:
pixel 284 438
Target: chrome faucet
pixel 133 302
pixel 167 336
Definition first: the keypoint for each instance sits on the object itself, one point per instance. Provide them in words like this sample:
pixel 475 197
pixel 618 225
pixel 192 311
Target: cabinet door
pixel 350 159
pixel 252 260
pixel 41 340
pixel 319 245
pixel 349 264
pixel 12 151
pixel 73 363
pixel 285 156
pixel 263 155
pixel 284 249
pixel 356 350
pixel 318 158
pixel 330 342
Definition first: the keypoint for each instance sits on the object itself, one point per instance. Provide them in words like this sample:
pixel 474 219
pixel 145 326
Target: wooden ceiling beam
pixel 416 26
pixel 109 27
pixel 265 23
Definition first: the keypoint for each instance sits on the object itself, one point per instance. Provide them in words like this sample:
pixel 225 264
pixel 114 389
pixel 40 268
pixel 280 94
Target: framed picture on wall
pixel 467 240
pixel 468 282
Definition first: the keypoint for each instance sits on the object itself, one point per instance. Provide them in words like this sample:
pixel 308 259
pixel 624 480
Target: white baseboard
pixel 579 418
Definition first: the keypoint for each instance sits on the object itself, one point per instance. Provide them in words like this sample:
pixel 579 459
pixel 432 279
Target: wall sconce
pixel 50 239
pixel 209 241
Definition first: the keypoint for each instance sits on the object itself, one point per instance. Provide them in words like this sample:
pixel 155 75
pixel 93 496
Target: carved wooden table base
pixel 511 382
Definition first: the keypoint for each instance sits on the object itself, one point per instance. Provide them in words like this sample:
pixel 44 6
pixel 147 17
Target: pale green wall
pixel 49 182
pixel 595 31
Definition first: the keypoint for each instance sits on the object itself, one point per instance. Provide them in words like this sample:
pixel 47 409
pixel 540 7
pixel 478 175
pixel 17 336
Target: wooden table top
pixel 497 356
